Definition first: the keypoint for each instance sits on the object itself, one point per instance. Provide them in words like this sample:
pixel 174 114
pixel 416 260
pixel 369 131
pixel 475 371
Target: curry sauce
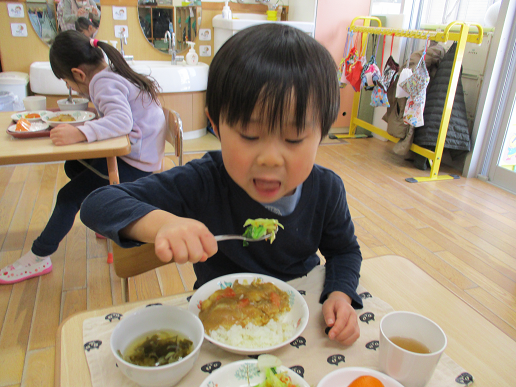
pixel 242 304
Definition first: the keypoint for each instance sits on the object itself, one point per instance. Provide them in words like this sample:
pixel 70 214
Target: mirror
pixel 50 17
pixel 155 19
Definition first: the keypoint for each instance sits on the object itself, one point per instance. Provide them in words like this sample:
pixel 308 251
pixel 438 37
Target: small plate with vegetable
pixel 267 371
pixel 33 116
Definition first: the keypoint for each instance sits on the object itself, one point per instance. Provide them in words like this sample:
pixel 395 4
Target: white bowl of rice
pixel 252 339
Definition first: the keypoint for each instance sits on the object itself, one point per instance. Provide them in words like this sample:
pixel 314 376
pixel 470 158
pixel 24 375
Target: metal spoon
pixel 69 100
pixel 220 238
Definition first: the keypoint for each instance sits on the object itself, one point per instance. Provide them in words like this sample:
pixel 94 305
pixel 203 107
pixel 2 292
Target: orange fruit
pixel 366 381
pixel 23 125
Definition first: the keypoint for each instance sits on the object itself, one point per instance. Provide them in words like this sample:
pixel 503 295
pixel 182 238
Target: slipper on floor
pixel 11 274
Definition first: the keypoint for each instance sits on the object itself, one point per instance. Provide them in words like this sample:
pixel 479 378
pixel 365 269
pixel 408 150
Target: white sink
pixel 226 28
pixel 178 78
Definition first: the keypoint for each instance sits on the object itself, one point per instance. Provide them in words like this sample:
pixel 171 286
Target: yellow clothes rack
pixel 461 36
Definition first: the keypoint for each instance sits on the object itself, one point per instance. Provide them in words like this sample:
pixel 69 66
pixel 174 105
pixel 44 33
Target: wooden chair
pixel 174 136
pixel 132 262
pixel 137 260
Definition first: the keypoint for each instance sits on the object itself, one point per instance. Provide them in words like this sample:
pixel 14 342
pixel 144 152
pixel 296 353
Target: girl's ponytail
pixel 120 66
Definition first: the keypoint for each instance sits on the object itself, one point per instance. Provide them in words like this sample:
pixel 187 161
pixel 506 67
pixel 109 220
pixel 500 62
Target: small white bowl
pixel 78 104
pixel 297 316
pixel 153 318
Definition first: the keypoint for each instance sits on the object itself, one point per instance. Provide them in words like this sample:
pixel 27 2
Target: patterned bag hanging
pixel 355 65
pixel 379 97
pixel 370 72
pixel 416 84
pixel 379 94
pixel 390 70
pixel 341 71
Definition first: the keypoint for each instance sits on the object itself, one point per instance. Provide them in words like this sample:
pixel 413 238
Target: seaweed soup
pixel 157 348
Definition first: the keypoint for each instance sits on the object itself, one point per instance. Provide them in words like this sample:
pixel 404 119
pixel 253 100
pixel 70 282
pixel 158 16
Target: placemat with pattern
pixel 312 355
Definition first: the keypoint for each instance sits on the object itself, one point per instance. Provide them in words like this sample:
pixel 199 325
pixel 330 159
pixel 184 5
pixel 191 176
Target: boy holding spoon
pixel 272 96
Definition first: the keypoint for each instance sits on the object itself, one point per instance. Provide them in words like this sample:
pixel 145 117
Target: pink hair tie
pixel 94 42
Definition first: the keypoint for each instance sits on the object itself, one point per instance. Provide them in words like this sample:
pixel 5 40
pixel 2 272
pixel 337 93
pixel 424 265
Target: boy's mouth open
pixel 267 187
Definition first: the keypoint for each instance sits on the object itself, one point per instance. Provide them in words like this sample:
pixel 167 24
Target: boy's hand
pixel 185 241
pixel 66 134
pixel 341 317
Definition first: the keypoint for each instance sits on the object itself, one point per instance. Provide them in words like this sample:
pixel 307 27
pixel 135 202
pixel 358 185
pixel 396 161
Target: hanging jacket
pixel 458 136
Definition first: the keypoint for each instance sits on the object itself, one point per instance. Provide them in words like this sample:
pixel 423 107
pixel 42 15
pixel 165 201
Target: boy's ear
pixel 215 129
pixel 78 75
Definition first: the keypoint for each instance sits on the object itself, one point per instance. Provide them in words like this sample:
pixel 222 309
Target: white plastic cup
pixel 410 368
pixel 35 102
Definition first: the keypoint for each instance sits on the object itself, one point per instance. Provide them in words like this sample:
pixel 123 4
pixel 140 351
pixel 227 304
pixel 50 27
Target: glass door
pixel 503 163
pixel 501 155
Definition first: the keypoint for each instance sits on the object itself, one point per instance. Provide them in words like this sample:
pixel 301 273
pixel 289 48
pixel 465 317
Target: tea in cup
pixel 410 347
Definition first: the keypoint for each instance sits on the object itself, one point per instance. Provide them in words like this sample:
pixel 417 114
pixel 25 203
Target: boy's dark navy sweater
pixel 203 190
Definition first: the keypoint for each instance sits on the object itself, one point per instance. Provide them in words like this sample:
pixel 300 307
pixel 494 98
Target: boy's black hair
pixel 278 68
pixel 71 49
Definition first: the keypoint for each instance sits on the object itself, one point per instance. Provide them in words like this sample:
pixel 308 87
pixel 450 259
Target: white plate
pixel 15 117
pixel 34 127
pixel 298 308
pixel 235 375
pixel 344 376
pixel 80 116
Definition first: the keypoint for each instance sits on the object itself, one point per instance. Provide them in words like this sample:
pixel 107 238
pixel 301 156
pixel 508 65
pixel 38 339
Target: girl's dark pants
pixel 82 182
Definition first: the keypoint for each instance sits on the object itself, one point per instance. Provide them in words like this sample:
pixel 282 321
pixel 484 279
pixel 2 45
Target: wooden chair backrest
pixel 135 260
pixel 174 132
pixel 138 260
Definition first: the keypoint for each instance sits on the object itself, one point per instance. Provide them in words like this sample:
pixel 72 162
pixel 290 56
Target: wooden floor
pixel 462 232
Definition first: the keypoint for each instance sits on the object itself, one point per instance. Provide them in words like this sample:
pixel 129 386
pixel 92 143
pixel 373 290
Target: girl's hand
pixel 66 134
pixel 185 241
pixel 341 317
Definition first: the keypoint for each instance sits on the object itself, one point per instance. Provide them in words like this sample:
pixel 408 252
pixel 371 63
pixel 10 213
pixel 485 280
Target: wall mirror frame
pixel 156 17
pixel 49 17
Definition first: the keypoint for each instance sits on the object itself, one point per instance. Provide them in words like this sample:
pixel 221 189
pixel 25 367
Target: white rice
pixel 252 336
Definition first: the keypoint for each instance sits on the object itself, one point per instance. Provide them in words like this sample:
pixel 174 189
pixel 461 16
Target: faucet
pixel 171 40
pixel 123 40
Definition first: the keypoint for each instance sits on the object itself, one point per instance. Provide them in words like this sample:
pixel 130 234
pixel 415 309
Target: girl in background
pixel 68 11
pixel 86 27
pixel 127 104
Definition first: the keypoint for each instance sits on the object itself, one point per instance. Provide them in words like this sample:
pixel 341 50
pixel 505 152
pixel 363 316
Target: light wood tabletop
pixel 473 342
pixel 41 149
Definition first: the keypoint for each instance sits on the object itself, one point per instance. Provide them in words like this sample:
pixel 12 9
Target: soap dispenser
pixel 192 58
pixel 226 11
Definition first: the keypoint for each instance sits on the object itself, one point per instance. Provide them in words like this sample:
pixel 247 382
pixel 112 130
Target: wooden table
pixel 41 149
pixel 473 342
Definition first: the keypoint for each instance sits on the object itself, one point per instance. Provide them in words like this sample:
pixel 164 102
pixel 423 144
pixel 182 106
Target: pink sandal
pixel 12 274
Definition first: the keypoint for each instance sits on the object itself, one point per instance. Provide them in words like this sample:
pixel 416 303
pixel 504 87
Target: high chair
pixel 137 260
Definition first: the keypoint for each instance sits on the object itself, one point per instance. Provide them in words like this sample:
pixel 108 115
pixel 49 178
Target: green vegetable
pixel 256 228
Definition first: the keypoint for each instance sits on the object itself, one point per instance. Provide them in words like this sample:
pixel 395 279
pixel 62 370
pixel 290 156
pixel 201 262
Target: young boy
pixel 272 95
